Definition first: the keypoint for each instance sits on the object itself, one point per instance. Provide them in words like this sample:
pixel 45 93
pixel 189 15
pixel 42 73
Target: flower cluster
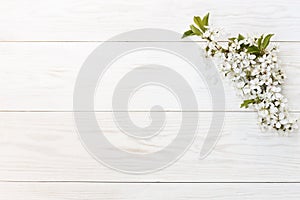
pixel 252 65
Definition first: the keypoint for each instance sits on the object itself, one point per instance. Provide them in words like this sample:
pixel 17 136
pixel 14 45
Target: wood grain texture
pixel 42 47
pixel 43 146
pixel 41 76
pixel 90 20
pixel 93 191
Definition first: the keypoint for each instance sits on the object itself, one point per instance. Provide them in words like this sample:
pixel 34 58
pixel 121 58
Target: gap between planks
pixel 157 182
pixel 131 111
pixel 97 41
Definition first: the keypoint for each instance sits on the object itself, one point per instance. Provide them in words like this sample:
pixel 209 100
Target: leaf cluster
pixel 262 44
pixel 199 28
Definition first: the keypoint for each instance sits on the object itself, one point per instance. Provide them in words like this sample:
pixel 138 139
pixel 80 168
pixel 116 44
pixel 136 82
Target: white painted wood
pixel 39 146
pixel 73 20
pixel 38 72
pixel 41 76
pixel 89 191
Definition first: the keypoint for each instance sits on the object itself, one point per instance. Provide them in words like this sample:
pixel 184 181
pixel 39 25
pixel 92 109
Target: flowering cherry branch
pixel 251 64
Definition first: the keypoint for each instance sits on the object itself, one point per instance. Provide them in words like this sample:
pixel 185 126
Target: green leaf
pixel 197 20
pixel 195 30
pixel 266 41
pixel 205 19
pixel 232 39
pixel 240 37
pixel 187 34
pixel 199 23
pixel 253 50
pixel 259 41
pixel 247 102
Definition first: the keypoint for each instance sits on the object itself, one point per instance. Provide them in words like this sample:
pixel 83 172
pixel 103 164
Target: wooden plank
pixel 86 20
pixel 39 146
pixel 41 76
pixel 88 191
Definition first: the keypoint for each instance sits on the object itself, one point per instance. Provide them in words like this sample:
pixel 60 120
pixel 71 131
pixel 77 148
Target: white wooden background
pixel 42 47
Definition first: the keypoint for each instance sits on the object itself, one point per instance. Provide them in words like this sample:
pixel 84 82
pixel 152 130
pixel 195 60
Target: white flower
pixel 257 78
pixel 276 89
pixel 206 34
pixel 240 84
pixel 278 125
